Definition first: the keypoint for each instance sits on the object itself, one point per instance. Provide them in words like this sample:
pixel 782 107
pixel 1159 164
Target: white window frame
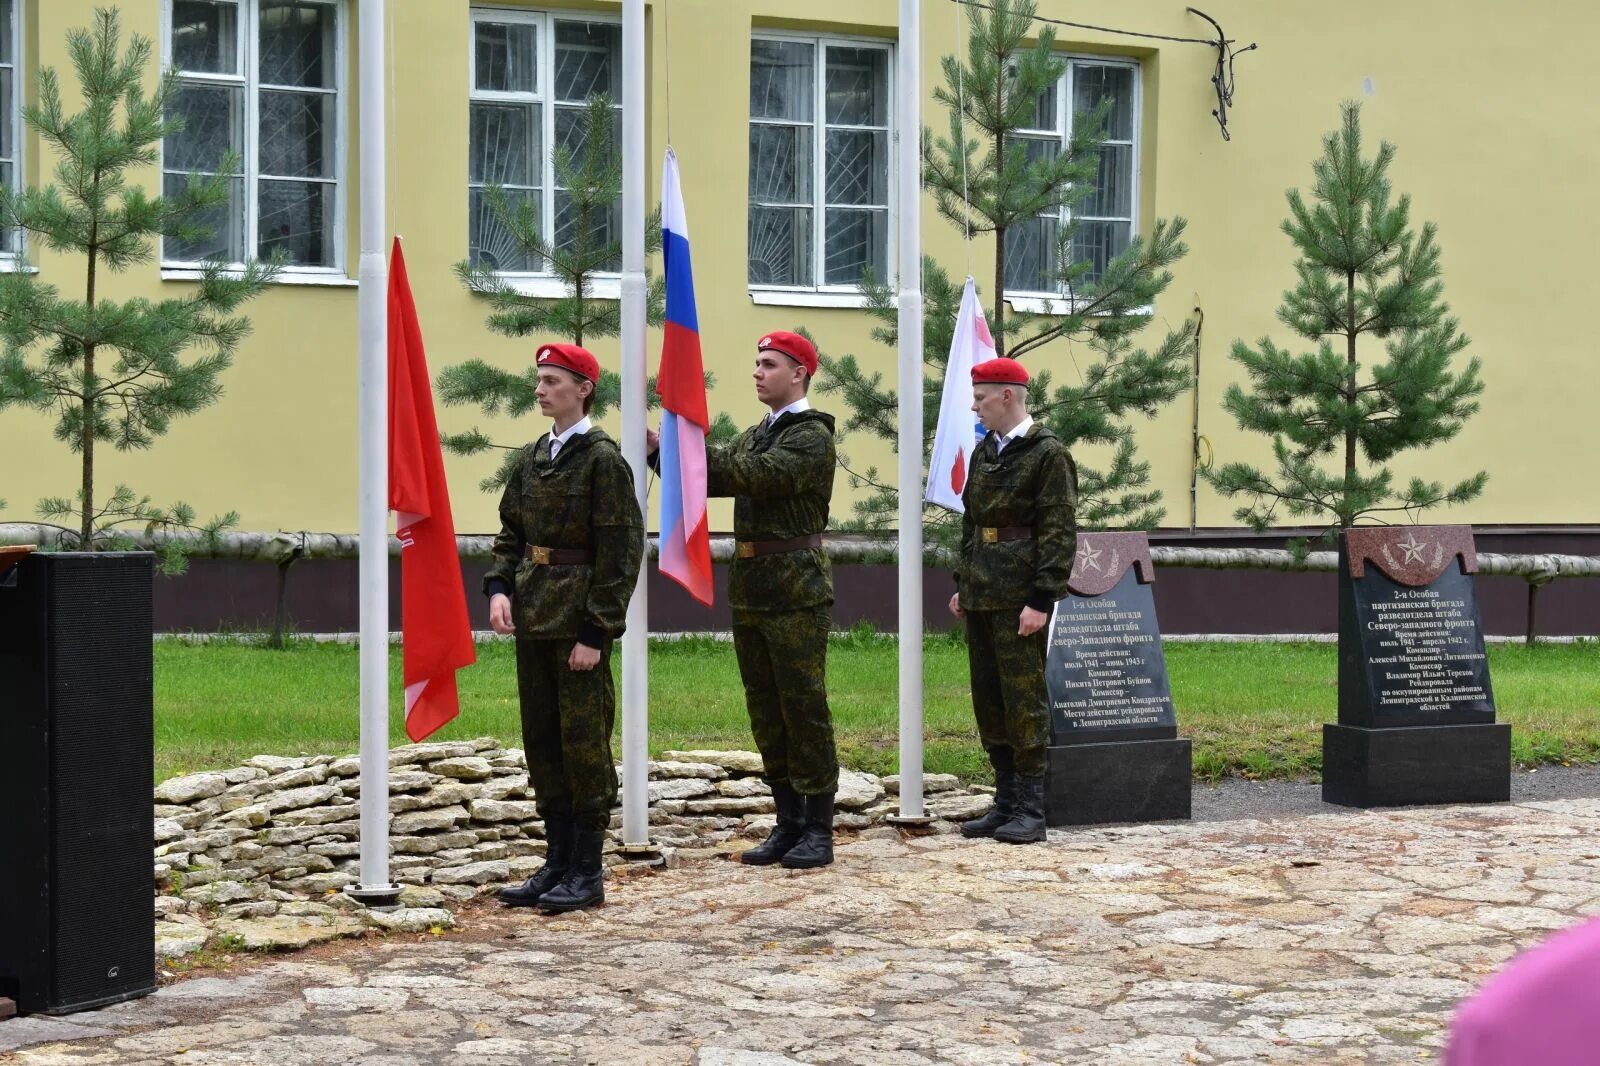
pixel 820 294
pixel 249 29
pixel 17 258
pixel 540 283
pixel 1056 302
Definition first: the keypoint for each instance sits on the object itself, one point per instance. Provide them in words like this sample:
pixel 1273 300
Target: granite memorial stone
pixel 1115 755
pixel 1416 706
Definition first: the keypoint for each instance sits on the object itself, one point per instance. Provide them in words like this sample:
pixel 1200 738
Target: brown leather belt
pixel 749 549
pixel 996 534
pixel 542 556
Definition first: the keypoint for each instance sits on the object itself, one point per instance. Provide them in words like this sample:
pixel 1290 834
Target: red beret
pixel 570 357
pixel 999 371
pixel 794 346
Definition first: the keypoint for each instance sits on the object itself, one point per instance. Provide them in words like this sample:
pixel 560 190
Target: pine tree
pixel 987 178
pixel 115 372
pixel 1365 276
pixel 593 176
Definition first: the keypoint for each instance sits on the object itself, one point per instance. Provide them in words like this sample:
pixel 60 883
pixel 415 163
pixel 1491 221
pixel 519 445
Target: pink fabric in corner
pixel 1541 1010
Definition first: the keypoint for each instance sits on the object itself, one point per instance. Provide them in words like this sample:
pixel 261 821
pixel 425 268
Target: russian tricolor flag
pixel 681 381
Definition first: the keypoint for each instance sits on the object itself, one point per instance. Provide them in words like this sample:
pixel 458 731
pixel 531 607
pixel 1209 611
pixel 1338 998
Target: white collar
pixel 802 404
pixel 1018 430
pixel 578 428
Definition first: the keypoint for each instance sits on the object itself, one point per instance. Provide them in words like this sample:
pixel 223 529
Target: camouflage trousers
pixel 1008 693
pixel 783 661
pixel 567 717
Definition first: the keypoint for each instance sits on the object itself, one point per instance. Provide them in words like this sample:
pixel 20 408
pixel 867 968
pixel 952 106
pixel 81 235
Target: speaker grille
pixel 101 769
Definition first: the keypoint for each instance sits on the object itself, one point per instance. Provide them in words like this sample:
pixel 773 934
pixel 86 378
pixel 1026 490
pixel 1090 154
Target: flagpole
pixel 908 124
pixel 635 644
pixel 375 888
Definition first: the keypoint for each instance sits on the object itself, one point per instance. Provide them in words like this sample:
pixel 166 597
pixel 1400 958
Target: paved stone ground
pixel 1342 937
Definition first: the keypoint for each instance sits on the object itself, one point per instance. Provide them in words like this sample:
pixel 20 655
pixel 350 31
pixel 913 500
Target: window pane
pixel 205 37
pixel 1038 149
pixel 1099 243
pixel 780 164
pixel 8 116
pixel 858 87
pixel 505 57
pixel 7 44
pixel 571 135
pixel 226 222
pixel 1092 83
pixel 780 246
pixel 780 80
pixel 855 240
pixel 595 232
pixel 213 123
pixel 503 145
pixel 489 240
pixel 297 44
pixel 297 134
pixel 8 237
pixel 588 58
pixel 1113 188
pixel 1031 255
pixel 296 219
pixel 857 167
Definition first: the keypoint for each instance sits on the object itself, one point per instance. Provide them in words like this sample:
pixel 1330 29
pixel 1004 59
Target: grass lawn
pixel 1254 710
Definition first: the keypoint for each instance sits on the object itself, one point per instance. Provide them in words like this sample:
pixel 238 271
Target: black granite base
pixel 1399 766
pixel 1127 781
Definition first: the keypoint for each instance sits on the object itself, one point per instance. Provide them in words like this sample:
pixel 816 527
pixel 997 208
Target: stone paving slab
pixel 1328 938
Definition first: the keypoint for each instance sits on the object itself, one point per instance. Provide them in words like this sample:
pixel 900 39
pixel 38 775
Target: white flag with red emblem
pixel 959 431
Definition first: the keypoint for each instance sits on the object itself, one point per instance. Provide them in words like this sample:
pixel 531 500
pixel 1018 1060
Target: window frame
pixel 541 283
pixel 1054 300
pixel 249 45
pixel 820 293
pixel 15 258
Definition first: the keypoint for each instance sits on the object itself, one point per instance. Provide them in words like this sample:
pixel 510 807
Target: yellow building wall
pixel 1489 105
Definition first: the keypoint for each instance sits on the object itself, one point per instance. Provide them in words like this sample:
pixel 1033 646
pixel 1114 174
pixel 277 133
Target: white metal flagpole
pixel 908 127
pixel 375 888
pixel 635 644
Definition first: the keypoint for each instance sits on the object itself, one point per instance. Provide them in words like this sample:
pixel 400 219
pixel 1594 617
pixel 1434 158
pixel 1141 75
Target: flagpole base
pixel 644 854
pixel 375 897
pixel 901 821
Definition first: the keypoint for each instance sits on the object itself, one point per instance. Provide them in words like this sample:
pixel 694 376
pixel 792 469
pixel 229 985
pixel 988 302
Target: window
pixel 532 74
pixel 819 162
pixel 261 79
pixel 1107 216
pixel 10 117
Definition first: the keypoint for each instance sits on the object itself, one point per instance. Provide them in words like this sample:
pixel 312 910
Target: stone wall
pixel 258 854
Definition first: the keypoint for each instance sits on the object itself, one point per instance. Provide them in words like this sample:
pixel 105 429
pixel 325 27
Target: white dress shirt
pixel 1018 430
pixel 577 428
pixel 802 404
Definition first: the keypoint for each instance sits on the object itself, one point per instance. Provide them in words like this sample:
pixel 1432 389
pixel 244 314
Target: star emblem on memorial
pixel 1413 549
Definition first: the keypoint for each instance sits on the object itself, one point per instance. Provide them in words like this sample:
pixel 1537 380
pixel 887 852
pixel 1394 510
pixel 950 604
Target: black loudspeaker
pixel 77 762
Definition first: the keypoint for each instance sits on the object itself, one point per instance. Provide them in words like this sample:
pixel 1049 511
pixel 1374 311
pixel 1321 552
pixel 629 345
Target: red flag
pixel 436 633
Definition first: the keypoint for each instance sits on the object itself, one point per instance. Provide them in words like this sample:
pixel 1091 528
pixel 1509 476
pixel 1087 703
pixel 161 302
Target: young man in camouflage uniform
pixel 1018 538
pixel 780 474
pixel 565 563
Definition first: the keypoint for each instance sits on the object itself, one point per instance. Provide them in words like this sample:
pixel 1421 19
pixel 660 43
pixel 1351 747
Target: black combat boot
pixel 557 860
pixel 1027 822
pixel 584 885
pixel 816 836
pixel 1005 797
pixel 785 834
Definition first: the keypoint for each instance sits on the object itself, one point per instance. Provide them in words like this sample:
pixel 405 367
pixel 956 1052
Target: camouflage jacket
pixel 1033 483
pixel 582 499
pixel 781 480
